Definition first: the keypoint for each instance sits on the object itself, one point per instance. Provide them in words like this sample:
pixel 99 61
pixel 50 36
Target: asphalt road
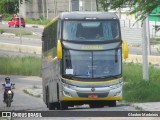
pixel 5 53
pixel 23 41
pixel 24 101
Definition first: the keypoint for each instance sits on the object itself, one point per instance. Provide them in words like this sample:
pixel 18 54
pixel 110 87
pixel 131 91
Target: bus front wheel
pixel 63 106
pixel 112 103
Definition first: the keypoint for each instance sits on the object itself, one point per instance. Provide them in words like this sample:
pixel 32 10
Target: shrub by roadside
pixel 1 31
pixel 137 90
pixel 29 66
pixel 23 32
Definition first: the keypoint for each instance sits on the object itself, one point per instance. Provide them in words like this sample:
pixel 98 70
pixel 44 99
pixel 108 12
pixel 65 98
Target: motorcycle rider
pixel 7 86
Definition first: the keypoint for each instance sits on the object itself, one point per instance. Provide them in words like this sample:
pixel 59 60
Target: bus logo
pixel 93 89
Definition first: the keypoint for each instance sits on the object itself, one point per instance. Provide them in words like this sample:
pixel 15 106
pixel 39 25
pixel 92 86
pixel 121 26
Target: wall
pixel 51 8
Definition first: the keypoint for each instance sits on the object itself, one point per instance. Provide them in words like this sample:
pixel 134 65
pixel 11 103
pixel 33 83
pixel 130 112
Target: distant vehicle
pixel 16 23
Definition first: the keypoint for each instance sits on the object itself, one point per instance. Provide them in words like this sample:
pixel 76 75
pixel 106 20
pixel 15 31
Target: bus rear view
pixel 90 47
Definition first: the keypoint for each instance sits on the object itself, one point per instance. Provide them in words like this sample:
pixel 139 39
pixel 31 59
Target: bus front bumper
pixel 73 93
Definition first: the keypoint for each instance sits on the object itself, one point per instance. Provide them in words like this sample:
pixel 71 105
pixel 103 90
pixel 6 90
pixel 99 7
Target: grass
pixel 24 32
pixel 7 17
pixel 38 21
pixel 29 66
pixel 1 31
pixel 138 90
pixel 155 41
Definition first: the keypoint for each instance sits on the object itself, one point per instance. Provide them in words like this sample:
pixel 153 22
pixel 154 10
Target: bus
pixel 82 60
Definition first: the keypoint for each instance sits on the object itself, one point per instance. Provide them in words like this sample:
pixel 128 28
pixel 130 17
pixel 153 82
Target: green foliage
pixel 137 90
pixel 155 41
pixel 23 32
pixel 20 66
pixel 7 17
pixel 40 21
pixel 141 7
pixel 10 6
pixel 1 31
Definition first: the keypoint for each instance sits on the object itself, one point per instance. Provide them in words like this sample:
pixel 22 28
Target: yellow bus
pixel 82 60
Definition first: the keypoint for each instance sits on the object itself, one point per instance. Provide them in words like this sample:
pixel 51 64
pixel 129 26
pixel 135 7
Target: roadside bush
pixel 1 31
pixel 138 90
pixel 29 66
pixel 37 21
pixel 24 32
pixel 7 17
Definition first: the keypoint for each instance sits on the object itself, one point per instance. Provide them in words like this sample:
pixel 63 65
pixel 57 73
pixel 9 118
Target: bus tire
pixel 50 106
pixel 112 103
pixel 63 106
pixel 46 93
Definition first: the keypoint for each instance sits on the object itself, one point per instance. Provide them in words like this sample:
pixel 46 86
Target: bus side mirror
pixel 125 49
pixel 59 50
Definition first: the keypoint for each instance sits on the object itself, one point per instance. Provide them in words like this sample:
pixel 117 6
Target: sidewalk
pixel 150 106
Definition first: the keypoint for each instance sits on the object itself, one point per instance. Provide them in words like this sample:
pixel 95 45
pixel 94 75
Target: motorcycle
pixel 9 94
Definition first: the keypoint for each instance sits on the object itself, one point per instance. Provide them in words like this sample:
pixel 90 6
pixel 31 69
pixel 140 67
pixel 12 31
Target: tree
pixel 141 7
pixel 10 6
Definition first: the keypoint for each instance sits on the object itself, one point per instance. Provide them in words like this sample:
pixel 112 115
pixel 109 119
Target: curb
pixel 20 48
pixel 35 92
pixel 138 59
pixel 8 34
pixel 149 106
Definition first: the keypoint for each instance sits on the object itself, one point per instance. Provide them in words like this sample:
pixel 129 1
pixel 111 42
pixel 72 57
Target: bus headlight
pixel 116 86
pixel 69 86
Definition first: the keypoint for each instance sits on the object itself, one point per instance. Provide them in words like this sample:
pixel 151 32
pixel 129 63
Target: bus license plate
pixel 92 96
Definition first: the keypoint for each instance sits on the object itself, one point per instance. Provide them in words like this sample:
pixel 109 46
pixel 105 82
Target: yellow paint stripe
pixel 52 21
pixel 114 80
pixel 89 99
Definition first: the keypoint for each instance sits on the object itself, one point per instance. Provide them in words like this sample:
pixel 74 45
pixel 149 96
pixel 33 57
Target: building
pixel 50 8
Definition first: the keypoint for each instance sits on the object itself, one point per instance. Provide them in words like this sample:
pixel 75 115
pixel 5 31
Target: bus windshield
pixel 91 30
pixel 92 64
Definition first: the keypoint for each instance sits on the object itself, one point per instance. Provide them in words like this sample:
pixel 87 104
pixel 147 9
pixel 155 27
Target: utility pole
pixel 43 8
pixel 80 5
pixel 24 9
pixel 91 6
pixel 47 8
pixel 20 23
pixel 148 35
pixel 119 12
pixel 69 6
pixel 145 51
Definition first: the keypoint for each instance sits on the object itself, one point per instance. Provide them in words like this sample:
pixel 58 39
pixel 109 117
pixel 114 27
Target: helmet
pixel 7 79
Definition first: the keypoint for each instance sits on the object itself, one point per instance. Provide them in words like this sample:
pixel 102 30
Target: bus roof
pixel 88 15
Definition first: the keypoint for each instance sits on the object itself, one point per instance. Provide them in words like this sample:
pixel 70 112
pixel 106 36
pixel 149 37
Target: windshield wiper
pixel 68 76
pixel 110 76
pixel 80 76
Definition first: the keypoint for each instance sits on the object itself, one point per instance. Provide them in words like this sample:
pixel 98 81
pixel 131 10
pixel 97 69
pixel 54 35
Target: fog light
pixel 117 93
pixel 67 93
